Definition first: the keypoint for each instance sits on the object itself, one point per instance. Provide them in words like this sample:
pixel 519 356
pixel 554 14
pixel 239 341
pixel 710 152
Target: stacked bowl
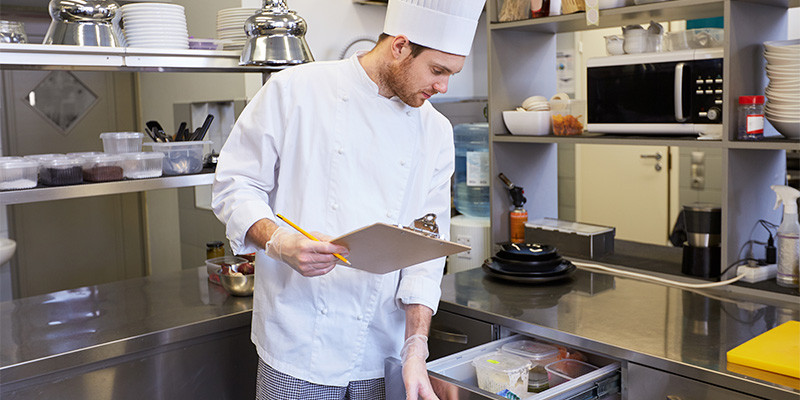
pixel 155 25
pixel 230 27
pixel 783 91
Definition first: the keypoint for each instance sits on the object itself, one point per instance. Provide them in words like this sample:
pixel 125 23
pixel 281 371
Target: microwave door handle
pixel 679 92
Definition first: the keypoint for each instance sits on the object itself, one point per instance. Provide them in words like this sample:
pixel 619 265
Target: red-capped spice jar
pixel 751 117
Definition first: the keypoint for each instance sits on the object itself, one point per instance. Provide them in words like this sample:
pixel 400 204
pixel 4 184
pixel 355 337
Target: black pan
pixel 527 252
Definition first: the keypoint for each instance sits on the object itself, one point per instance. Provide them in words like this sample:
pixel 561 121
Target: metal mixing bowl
pixel 237 285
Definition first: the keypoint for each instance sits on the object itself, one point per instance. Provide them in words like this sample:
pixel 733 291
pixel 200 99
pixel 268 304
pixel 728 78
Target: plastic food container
pixel 60 172
pixel 85 154
pixel 122 142
pixel 181 158
pixel 10 158
pixel 499 370
pixel 568 117
pixel 45 157
pixel 18 174
pixel 142 165
pixel 695 38
pixel 540 355
pixel 102 167
pixel 567 369
pixel 215 264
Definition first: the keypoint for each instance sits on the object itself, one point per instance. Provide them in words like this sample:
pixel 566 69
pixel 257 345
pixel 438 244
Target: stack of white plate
pixel 155 25
pixel 230 26
pixel 783 92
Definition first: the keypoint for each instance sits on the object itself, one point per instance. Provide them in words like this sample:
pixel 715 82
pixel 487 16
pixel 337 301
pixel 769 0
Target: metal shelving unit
pixel 522 62
pixel 132 59
pixel 44 193
pixel 675 9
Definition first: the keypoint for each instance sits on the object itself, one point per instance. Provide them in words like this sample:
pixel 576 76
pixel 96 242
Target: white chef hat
pixel 444 25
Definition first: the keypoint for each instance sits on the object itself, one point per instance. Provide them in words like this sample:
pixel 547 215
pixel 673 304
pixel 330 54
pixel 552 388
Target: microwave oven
pixel 670 93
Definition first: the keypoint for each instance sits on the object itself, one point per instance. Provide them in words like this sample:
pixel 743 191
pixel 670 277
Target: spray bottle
pixel 517 217
pixel 788 235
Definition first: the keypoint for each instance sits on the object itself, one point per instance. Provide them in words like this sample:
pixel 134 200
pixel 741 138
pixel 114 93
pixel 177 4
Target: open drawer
pixel 454 378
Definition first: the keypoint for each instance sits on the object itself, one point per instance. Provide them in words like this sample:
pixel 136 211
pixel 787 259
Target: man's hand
pixel 306 256
pixel 415 372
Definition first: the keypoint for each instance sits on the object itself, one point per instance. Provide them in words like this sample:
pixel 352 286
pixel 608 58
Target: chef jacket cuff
pixel 418 290
pixel 242 218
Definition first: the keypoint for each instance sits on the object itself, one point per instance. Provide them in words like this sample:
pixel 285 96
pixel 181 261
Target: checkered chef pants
pixel 274 385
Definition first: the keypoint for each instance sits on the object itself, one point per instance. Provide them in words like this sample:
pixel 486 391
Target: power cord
pixel 644 277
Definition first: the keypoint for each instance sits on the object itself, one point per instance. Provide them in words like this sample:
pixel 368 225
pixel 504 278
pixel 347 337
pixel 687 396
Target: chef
pixel 335 146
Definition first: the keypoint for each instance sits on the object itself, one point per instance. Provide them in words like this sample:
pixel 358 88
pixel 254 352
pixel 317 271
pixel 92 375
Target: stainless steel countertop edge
pixel 121 347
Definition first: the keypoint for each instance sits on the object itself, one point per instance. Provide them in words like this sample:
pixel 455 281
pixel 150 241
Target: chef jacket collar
pixel 371 87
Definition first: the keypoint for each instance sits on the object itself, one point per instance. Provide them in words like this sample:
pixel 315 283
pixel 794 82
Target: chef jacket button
pixel 340 150
pixel 323 311
pixel 389 214
pixel 403 162
pixel 359 317
pixel 334 206
pixel 345 98
pixel 408 113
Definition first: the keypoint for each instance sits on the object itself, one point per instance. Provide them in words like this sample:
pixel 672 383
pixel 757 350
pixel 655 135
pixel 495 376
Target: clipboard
pixel 381 248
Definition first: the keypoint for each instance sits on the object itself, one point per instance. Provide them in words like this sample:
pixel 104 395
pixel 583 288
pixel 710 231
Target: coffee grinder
pixel 701 251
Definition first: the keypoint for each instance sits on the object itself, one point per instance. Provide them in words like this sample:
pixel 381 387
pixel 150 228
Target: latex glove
pixel 306 256
pixel 415 372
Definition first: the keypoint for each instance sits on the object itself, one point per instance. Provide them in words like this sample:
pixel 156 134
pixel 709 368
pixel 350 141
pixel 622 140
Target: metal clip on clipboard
pixel 425 225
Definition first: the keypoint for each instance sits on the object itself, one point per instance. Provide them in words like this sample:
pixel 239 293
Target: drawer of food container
pixel 456 374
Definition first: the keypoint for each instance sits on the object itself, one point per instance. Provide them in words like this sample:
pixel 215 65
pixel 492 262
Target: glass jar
pixel 751 117
pixel 215 249
pixel 12 32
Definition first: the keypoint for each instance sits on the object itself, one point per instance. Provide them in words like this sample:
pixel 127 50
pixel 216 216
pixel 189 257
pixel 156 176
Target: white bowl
pixel 531 123
pixel 789 129
pixel 783 100
pixel 780 60
pixel 7 248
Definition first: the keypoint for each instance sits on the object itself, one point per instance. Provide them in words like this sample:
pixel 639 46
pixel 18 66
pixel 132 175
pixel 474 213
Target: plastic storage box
pixel 568 117
pixel 565 370
pixel 181 157
pixel 142 165
pixel 102 167
pixel 18 174
pixel 122 142
pixel 499 370
pixel 540 355
pixel 60 171
pixel 695 38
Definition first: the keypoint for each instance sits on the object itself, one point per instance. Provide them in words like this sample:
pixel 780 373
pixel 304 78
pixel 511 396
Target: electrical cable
pixel 635 275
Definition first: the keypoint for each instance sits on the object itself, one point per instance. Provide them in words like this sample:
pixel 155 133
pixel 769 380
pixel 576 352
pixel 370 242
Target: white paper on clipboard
pixel 382 248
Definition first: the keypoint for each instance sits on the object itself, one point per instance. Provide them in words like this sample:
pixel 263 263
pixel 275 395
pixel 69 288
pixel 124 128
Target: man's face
pixel 416 79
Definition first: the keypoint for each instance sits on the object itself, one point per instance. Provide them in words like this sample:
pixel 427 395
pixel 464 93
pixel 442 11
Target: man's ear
pixel 400 47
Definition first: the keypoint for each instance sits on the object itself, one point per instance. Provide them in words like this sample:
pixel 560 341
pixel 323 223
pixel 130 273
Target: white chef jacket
pixel 320 146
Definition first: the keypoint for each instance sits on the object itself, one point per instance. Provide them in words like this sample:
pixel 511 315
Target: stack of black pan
pixel 528 263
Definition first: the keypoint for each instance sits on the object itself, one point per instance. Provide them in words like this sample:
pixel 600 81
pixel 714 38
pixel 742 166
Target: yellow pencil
pixel 310 236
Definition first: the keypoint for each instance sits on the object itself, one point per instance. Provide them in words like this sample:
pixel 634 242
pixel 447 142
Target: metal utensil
pixel 204 128
pixel 179 134
pixel 157 130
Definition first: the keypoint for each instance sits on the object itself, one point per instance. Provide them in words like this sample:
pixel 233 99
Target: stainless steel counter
pixel 164 324
pixel 686 333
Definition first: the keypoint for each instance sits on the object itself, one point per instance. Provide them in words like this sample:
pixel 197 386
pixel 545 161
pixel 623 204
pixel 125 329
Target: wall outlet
pixel 466 240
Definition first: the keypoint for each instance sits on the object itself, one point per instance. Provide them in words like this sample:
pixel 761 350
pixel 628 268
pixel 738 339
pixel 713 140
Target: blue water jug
pixel 471 191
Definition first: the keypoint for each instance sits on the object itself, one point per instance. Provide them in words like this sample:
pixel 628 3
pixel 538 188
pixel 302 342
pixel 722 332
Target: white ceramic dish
pixel 529 123
pixel 786 61
pixel 783 45
pixel 789 129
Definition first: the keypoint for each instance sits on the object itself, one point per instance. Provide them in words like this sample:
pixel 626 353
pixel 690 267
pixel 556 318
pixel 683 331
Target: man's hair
pixel 416 49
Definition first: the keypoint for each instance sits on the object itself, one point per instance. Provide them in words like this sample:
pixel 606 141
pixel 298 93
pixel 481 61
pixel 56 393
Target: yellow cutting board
pixel 776 350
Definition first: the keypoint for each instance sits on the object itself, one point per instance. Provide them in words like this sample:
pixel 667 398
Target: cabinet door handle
pixel 451 337
pixel 657 156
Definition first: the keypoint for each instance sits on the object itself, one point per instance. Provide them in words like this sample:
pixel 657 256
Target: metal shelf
pixel 99 189
pixel 50 57
pixel 661 11
pixel 765 144
pixel 596 138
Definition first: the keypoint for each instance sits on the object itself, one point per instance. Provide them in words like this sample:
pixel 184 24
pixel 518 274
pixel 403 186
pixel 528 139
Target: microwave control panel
pixel 706 91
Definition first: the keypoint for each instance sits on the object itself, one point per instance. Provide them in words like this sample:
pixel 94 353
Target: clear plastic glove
pixel 415 372
pixel 306 256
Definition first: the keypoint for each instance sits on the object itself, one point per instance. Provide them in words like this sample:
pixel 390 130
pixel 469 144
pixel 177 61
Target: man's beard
pixel 398 80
